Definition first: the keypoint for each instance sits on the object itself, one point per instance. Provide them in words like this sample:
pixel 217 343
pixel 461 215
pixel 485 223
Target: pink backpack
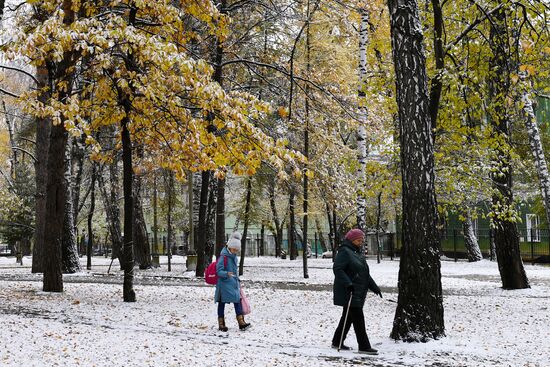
pixel 210 275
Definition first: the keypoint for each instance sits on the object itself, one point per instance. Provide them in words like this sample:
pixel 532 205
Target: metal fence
pixel 534 243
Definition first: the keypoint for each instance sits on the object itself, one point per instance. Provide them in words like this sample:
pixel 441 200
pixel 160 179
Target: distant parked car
pixel 327 255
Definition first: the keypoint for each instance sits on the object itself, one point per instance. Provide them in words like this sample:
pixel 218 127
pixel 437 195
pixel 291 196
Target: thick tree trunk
pixel 246 222
pixel 470 239
pixel 363 116
pixel 419 313
pixel 55 210
pixel 43 126
pixel 537 150
pixel 506 234
pixel 202 233
pixel 56 190
pixel 70 260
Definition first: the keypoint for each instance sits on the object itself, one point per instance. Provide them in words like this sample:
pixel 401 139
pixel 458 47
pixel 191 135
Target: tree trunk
pixel 439 54
pixel 70 260
pixel 41 173
pixel 77 170
pixel 211 223
pixel 378 215
pixel 419 313
pixel 156 256
pixel 306 152
pixel 470 239
pixel 276 221
pixel 142 251
pixel 112 211
pixel 363 116
pixel 220 197
pixel 537 150
pixel 321 237
pixel 90 218
pixel 220 217
pixel 55 210
pixel 129 294
pixel 245 226
pixel 169 182
pixel 56 190
pixel 292 251
pixel 202 235
pixel 506 234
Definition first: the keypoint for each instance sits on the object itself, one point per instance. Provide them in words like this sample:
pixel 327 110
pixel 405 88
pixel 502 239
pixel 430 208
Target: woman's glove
pixel 377 291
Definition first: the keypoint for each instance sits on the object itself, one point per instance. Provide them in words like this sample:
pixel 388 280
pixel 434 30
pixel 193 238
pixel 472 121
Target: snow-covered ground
pixel 173 322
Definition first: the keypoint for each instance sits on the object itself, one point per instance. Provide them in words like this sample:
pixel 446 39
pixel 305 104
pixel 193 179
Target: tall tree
pixel 61 78
pixel 419 313
pixel 363 116
pixel 506 234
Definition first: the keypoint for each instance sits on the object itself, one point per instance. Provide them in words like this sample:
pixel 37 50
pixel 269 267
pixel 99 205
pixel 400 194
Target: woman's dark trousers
pixel 356 318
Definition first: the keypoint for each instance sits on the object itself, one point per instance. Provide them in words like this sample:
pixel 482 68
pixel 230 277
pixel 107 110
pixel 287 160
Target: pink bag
pixel 244 303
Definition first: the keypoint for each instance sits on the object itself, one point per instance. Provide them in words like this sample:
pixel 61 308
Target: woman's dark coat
pixel 351 269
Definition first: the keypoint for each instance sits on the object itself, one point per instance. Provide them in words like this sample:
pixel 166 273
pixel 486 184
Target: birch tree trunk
pixel 363 117
pixel 470 239
pixel 419 313
pixel 506 235
pixel 537 150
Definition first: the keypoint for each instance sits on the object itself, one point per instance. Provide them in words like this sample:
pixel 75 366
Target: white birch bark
pixel 363 116
pixel 536 148
pixel 470 239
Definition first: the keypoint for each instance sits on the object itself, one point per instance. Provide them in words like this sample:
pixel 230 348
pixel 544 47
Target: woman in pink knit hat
pixel 351 281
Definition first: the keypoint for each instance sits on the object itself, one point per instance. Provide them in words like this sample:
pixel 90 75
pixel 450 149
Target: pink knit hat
pixel 354 234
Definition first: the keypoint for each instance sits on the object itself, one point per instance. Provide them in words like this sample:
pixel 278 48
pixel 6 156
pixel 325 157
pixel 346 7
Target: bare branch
pixel 20 71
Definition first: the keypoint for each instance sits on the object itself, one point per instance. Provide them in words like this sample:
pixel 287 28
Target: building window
pixel 533 231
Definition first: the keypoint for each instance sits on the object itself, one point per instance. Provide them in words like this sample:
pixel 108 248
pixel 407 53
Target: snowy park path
pixel 174 322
